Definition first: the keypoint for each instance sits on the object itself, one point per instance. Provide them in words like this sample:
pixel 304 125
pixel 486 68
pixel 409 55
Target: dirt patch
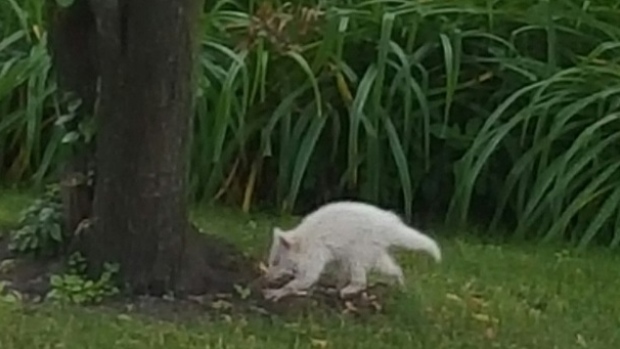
pixel 323 300
pixel 28 276
pixel 235 288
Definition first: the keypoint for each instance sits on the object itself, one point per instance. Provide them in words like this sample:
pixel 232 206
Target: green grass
pixel 536 297
pixel 11 202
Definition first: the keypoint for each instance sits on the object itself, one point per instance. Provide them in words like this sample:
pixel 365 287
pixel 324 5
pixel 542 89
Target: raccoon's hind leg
pixel 386 265
pixel 357 280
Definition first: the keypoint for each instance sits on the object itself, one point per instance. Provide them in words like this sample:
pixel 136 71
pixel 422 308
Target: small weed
pixel 242 291
pixel 7 295
pixel 40 227
pixel 75 288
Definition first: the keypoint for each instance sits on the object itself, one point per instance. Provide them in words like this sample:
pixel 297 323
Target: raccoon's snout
pixel 278 280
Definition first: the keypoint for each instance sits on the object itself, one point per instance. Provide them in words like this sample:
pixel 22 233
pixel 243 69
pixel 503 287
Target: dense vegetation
pixel 500 112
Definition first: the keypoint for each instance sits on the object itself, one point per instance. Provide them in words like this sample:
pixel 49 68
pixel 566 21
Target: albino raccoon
pixel 354 235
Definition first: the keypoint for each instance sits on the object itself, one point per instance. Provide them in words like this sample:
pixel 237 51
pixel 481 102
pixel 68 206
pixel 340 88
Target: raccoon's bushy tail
pixel 412 239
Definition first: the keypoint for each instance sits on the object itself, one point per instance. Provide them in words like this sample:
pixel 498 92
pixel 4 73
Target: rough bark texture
pixel 75 191
pixel 146 50
pixel 72 36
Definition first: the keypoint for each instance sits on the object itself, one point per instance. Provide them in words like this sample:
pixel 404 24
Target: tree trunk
pixel 138 82
pixel 72 36
pixel 146 50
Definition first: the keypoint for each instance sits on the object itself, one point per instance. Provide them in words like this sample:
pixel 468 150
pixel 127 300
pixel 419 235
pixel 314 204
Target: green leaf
pixel 301 61
pixel 604 213
pixel 356 117
pixel 303 156
pixel 403 166
pixel 70 137
pixel 63 119
pixel 56 233
pixel 55 280
pixel 65 3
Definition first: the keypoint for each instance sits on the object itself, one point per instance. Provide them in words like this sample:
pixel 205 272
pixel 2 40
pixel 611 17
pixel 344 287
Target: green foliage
pixel 495 112
pixel 84 130
pixel 7 295
pixel 65 3
pixel 40 227
pixel 29 103
pixel 75 288
pixel 475 111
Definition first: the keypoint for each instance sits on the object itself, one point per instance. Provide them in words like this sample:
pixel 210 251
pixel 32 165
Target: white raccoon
pixel 355 236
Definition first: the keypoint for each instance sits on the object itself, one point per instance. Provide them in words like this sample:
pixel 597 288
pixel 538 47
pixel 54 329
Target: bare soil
pixel 236 289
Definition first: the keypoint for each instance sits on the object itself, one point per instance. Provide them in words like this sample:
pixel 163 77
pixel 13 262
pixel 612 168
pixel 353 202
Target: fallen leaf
pixel 6 266
pixel 221 304
pixel 123 317
pixel 349 308
pixel 292 325
pixel 477 301
pixel 581 341
pixel 320 343
pixel 259 310
pixel 243 292
pixel 468 285
pixel 482 317
pixel 223 295
pixel 453 297
pixel 376 305
pixel 262 267
pixel 197 299
pixel 489 333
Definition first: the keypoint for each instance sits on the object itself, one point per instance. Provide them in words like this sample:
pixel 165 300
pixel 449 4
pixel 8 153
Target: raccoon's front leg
pixel 308 275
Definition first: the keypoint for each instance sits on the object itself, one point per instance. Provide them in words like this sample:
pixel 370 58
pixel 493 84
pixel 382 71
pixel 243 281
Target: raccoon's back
pixel 347 222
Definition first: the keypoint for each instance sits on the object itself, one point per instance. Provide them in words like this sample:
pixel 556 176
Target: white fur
pixel 354 235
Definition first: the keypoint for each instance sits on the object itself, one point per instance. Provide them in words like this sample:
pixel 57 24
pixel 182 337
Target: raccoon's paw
pixel 274 294
pixel 351 290
pixel 279 293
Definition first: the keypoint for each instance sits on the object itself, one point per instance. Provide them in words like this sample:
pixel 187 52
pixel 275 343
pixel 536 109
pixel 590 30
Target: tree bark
pixel 146 50
pixel 72 36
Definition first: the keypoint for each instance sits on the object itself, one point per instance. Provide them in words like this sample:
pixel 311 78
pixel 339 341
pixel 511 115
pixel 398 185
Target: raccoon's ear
pixel 284 240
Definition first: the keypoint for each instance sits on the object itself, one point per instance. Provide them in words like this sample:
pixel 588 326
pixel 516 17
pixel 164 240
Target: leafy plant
pixel 498 112
pixel 40 232
pixel 75 131
pixel 7 295
pixel 75 288
pixel 242 292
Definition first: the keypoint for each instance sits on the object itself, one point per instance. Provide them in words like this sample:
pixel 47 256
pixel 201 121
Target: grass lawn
pixel 481 296
pixel 11 202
